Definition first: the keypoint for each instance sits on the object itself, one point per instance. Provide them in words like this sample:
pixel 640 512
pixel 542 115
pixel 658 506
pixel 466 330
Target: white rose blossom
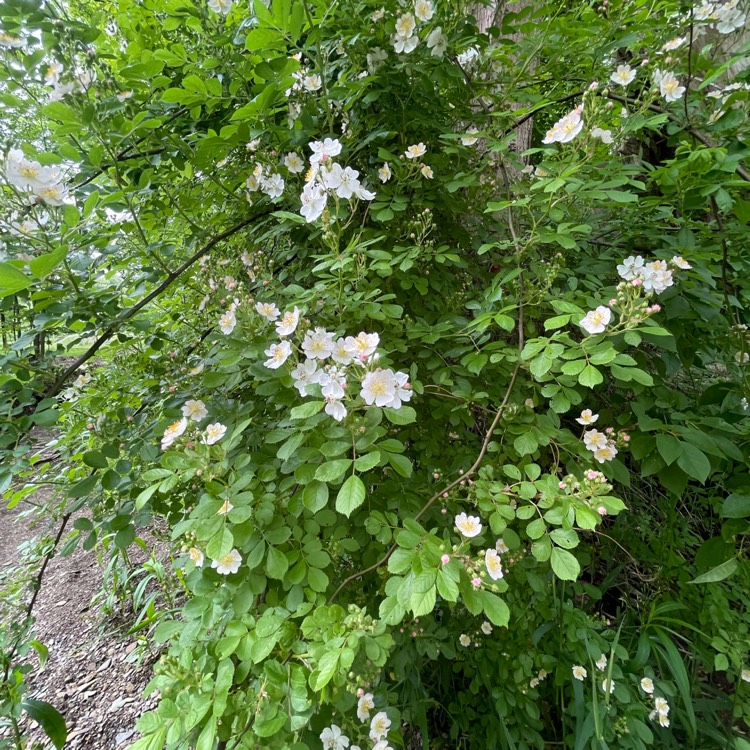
pixel 277 354
pixel 173 432
pixel 227 322
pixel 220 6
pixel 293 162
pixel 333 739
pixel 379 726
pixel 565 129
pixel 623 75
pixel 214 432
pixel 288 323
pixel 365 704
pixel 596 321
pixel 468 526
pixel 228 564
pixel 579 673
pixel 304 374
pixel 194 410
pixel 587 417
pixel 318 344
pixel 493 564
pixel 437 42
pixel 424 10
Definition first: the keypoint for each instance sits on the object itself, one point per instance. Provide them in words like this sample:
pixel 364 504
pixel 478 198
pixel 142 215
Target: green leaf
pixel 42 265
pixel 590 376
pixel 423 602
pixel 367 462
pixel 669 447
pixel 719 573
pixel 326 669
pixel 331 471
pixel 736 506
pixel 525 444
pixel 49 718
pixel 220 544
pixel 351 495
pixel 308 409
pixel 12 280
pixel 694 462
pixel 315 496
pixel 495 608
pixel 564 564
pixel 95 460
pixel 403 415
pixel 276 564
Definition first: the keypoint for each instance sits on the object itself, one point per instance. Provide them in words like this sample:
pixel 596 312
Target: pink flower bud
pixel 413 633
pixel 90 426
pixel 445 559
pixel 444 510
pixel 601 510
pixel 626 438
pixel 191 445
pixel 476 582
pixel 199 473
pixel 172 389
pixel 130 418
pixel 636 282
pixel 360 692
pixel 609 430
pixel 612 302
pixel 436 475
pixel 562 485
pixel 445 494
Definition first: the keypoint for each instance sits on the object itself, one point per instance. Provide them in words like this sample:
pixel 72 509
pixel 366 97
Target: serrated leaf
pixel 564 564
pixel 351 495
pixel 403 415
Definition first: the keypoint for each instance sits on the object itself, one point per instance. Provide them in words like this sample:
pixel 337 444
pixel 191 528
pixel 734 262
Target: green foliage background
pixel 475 281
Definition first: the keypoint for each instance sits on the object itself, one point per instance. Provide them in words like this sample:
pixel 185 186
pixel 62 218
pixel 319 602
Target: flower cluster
pixel 325 177
pixel 334 739
pixel 654 276
pixel 328 360
pixel 600 444
pixel 271 184
pixel 30 176
pixel 725 16
pixel 193 411
pixel 405 40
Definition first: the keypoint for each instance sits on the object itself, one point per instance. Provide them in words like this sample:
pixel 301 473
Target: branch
pixel 56 387
pixel 447 488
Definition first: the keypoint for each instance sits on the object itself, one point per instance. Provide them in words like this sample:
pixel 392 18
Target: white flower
pixel 468 526
pixel 656 277
pixel 83 379
pixel 53 72
pixel 424 10
pixel 415 151
pixel 10 42
pixel 272 186
pixel 680 262
pixel 596 320
pixel 225 508
pixel 437 42
pixel 631 267
pixel 745 675
pixel 378 388
pixel 318 344
pixel 365 195
pixel 533 682
pixel 464 640
pixel 579 673
pixel 333 739
pixel 486 628
pixel 324 150
pixel 404 44
pixel 220 6
pixel 470 138
pixel 124 96
pixel 594 440
pixel 565 129
pixel 605 136
pixel 340 352
pixel 173 432
pixel 54 195
pixel 196 556
pixel 195 410
pixel 375 59
pixel 333 383
pixel 607 453
pixel 670 87
pixel 663 720
pixel 647 685
pixel 493 564
pixel 27 174
pixel 364 705
pixel 405 25
pixel 343 181
pixel 304 374
pixel 623 75
pixel 601 662
pixel 277 354
pixel 214 433
pixel 729 18
pixel 313 199
pixel 227 322
pixel 402 390
pixel 674 44
pixel 293 162
pixel 426 171
pixel 363 345
pixel 379 726
pixel 378 14
pixel 468 58
pixel 384 173
pixel 661 706
pixel 288 323
pixel 229 563
pixel 587 417
pixel 313 82
pixel 501 546
pixel 267 310
pixel 608 685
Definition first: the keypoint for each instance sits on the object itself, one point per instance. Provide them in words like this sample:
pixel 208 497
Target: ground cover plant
pixel 418 331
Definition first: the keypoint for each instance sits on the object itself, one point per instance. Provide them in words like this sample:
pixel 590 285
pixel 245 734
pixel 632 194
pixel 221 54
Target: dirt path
pixel 91 677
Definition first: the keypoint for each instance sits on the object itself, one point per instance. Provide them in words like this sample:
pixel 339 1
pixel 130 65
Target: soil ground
pixel 93 675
